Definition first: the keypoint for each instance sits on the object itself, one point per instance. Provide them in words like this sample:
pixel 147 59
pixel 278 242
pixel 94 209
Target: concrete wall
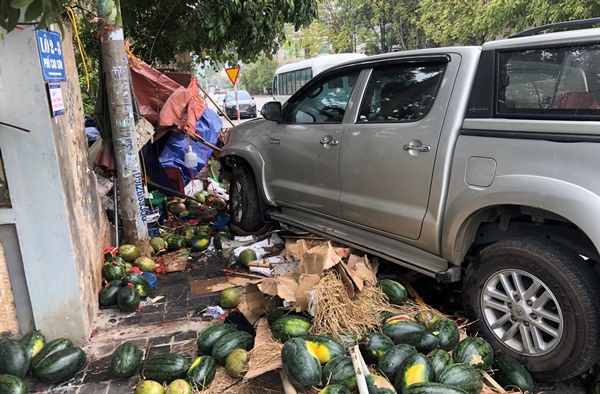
pixel 61 227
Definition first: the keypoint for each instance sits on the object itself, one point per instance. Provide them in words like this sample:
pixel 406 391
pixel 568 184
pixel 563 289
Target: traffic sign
pixel 233 73
pixel 51 57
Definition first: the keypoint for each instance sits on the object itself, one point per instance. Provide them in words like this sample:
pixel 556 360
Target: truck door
pixel 388 154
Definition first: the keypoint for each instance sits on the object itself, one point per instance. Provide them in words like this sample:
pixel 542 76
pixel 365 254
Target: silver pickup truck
pixel 478 164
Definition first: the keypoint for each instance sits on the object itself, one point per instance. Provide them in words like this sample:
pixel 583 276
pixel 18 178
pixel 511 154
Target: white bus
pixel 289 78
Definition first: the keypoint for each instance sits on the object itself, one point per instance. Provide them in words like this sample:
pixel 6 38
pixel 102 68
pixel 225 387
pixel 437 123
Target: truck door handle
pixel 328 140
pixel 419 148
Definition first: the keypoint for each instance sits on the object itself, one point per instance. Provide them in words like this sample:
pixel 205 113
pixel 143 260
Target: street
pixel 260 101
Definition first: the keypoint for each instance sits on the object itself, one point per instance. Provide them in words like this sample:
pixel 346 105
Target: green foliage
pixel 47 10
pixel 226 31
pixel 258 76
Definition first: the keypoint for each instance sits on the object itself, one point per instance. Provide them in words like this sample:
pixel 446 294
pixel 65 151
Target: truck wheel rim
pixel 522 312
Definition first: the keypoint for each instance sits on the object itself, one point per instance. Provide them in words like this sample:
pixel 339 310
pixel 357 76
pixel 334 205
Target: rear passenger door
pixel 388 153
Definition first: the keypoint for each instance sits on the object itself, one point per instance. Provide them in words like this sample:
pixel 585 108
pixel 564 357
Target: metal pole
pixel 237 103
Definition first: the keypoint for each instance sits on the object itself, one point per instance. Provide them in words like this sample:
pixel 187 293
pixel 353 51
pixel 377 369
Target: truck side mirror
pixel 271 111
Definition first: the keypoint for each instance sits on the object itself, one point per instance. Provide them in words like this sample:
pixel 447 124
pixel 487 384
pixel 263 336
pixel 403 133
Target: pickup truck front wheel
pixel 536 301
pixel 244 207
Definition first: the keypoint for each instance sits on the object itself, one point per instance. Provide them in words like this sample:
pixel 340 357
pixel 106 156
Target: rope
pixel 71 15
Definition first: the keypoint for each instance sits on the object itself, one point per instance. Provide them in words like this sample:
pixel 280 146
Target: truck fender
pixel 249 153
pixel 578 205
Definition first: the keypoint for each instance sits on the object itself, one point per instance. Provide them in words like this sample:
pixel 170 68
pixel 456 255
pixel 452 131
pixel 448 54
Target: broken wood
pixel 357 362
pixel 287 385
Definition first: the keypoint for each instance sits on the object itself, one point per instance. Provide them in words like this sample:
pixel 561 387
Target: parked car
pixel 477 164
pixel 246 103
pixel 221 103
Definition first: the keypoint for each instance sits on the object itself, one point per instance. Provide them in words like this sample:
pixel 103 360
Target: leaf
pixel 34 10
pixel 18 4
pixel 13 19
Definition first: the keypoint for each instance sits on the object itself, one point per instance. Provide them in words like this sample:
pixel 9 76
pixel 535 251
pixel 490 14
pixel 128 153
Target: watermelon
pixel 202 372
pixel 211 335
pixel 373 346
pixel 128 299
pixel 33 342
pixel 14 359
pixel 10 384
pixel 60 366
pixel 175 242
pixel 236 363
pixel 474 351
pixel 423 341
pixel 447 333
pixel 393 358
pixel 432 388
pixel 340 371
pixel 395 328
pixel 229 342
pixel 165 367
pixel 113 270
pixel 108 294
pixel 427 317
pixel 395 292
pixel 335 389
pixel 415 369
pixel 50 348
pixel 290 326
pixel 325 348
pixel 125 360
pixel 463 376
pixel 179 386
pixel 440 360
pixel 300 364
pixel 199 242
pixel 377 384
pixel 509 372
pixel 141 284
pixel 230 298
pixel 149 387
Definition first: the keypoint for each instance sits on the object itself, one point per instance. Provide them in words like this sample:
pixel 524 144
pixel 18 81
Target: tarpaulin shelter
pixel 174 111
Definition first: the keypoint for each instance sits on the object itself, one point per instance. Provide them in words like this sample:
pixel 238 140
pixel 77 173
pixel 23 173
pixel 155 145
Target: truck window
pixel 401 93
pixel 562 81
pixel 325 101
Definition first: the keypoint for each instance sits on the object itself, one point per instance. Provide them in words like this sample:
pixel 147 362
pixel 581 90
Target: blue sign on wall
pixel 51 57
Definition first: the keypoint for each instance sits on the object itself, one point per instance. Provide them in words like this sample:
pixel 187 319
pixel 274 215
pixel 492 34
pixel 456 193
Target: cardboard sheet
pixel 306 283
pixel 263 337
pixel 206 286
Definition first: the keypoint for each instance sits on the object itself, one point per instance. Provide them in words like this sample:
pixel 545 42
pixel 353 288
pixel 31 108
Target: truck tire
pixel 244 205
pixel 537 301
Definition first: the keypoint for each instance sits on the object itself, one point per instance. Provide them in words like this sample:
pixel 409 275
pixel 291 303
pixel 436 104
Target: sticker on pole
pixel 233 73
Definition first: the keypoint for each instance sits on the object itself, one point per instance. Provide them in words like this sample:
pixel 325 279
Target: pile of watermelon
pixel 54 362
pixel 412 354
pixel 125 285
pixel 221 344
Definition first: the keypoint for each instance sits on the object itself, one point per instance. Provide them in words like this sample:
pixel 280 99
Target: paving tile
pixel 130 320
pixel 184 336
pixel 93 388
pixel 176 314
pixel 152 318
pixel 181 303
pixel 158 350
pixel 162 340
pixel 153 308
pixel 120 386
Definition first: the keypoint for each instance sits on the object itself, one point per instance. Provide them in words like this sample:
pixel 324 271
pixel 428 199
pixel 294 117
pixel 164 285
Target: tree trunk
pixel 118 82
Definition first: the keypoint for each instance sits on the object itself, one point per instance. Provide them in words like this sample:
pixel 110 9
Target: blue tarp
pixel 208 126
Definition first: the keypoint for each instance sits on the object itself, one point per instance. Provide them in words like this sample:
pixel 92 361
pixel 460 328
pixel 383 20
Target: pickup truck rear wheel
pixel 244 205
pixel 538 302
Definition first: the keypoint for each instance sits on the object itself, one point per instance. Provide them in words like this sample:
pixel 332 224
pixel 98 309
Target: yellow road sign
pixel 233 73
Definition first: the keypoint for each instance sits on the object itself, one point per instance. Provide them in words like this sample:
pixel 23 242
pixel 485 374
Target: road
pixel 260 101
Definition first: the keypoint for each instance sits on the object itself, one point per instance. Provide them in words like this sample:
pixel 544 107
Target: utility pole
pixel 118 86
